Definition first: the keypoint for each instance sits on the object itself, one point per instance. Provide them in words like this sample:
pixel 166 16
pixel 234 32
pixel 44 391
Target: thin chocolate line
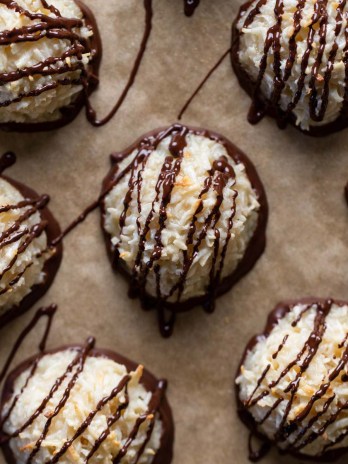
pixel 190 6
pixel 58 27
pixel 202 83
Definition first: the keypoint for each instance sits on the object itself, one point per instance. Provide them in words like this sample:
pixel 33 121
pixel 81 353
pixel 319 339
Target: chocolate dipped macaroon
pixel 82 404
pixel 184 214
pixel 50 52
pixel 292 384
pixel 28 261
pixel 290 56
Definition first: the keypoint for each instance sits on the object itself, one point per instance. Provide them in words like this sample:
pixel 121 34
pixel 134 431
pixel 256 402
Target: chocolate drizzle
pixel 53 27
pixel 158 406
pixel 303 432
pixel 190 6
pixel 318 85
pixel 202 83
pixel 58 27
pixel 15 233
pixel 48 312
pixel 91 114
pixel 216 180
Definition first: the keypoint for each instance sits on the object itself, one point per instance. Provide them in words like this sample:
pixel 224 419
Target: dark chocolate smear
pixel 190 6
pixel 24 237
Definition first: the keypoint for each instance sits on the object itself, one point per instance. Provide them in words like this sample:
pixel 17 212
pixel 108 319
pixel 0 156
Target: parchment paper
pixel 307 250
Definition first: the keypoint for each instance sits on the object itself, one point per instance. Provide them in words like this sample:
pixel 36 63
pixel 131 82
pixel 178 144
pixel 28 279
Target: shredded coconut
pixel 331 349
pixel 13 293
pixel 98 379
pixel 251 50
pixel 199 156
pixel 44 107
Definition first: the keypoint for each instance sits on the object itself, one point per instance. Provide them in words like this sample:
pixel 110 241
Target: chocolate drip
pixel 318 84
pixel 217 180
pixel 257 455
pixel 43 312
pixel 157 406
pixel 346 193
pixel 202 83
pixel 302 433
pixel 25 236
pixel 190 6
pixel 90 112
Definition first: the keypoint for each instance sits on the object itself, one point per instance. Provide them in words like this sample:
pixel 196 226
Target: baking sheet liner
pixel 307 251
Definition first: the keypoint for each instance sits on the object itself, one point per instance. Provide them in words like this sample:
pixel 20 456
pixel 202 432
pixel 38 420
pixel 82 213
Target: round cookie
pixel 82 403
pixel 292 388
pixel 184 214
pixel 290 58
pixel 190 6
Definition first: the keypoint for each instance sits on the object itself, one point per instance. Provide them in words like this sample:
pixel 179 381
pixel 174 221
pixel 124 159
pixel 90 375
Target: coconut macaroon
pixel 290 57
pixel 28 262
pixel 49 59
pixel 292 386
pixel 184 214
pixel 80 404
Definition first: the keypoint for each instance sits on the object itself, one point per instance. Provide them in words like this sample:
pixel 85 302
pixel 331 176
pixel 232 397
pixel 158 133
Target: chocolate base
pixel 70 112
pixel 279 312
pixel 148 380
pixel 254 250
pixel 51 266
pixel 248 85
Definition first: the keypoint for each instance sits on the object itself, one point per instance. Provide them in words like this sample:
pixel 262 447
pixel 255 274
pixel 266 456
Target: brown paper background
pixel 307 234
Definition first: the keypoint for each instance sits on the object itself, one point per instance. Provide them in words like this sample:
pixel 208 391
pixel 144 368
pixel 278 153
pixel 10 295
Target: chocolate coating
pixel 89 80
pixel 254 250
pixel 51 266
pixel 165 452
pixel 245 415
pixel 260 105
